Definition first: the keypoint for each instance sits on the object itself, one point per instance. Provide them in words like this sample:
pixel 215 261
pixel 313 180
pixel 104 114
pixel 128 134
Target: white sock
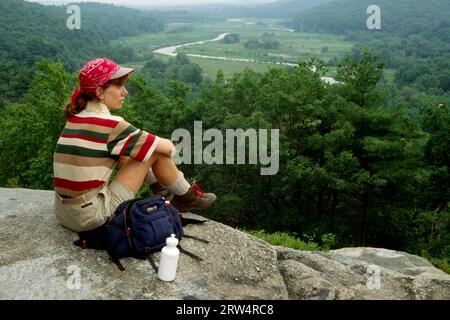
pixel 180 186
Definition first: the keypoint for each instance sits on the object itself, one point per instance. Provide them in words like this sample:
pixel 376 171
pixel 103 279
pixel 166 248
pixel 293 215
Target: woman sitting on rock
pixel 94 142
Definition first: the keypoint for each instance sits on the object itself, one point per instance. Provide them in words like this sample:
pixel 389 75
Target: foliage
pixel 433 238
pixel 181 29
pixel 267 41
pixel 29 130
pixel 416 45
pixel 179 68
pixel 399 17
pixel 231 38
pixel 342 153
pixel 284 239
pixel 31 31
pixel 442 264
pixel 436 186
pixel 213 12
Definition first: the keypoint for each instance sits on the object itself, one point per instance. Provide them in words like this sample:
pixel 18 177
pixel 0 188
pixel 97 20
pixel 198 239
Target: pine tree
pixel 387 145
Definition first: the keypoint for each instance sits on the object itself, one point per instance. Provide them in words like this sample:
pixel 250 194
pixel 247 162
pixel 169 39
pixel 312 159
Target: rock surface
pixel 39 261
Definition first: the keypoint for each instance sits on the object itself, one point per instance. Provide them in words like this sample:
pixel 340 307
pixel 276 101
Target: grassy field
pixel 293 45
pixel 210 67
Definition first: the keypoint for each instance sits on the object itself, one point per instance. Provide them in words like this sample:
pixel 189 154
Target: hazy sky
pixel 157 2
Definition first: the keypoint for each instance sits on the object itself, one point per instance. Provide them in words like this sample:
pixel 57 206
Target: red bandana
pixel 96 73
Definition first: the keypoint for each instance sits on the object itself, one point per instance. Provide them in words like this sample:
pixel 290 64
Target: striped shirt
pixel 90 146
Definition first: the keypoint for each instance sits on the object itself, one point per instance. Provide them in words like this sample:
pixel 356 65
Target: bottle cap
pixel 172 241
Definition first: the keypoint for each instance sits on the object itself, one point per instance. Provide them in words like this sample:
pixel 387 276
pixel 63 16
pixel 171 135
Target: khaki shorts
pixel 92 209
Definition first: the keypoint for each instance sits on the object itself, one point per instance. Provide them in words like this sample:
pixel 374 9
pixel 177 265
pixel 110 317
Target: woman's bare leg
pixel 132 173
pixel 165 170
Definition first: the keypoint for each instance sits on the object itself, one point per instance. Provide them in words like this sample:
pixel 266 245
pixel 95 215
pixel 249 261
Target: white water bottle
pixel 169 259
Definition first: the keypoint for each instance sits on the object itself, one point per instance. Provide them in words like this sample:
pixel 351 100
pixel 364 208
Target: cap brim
pixel 122 72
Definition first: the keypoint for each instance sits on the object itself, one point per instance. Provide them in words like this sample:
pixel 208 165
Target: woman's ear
pixel 99 93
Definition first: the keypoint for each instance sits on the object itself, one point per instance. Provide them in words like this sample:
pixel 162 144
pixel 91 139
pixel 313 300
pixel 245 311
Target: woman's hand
pixel 165 147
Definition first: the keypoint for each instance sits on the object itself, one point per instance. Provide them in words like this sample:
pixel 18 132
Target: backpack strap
pixel 195 238
pixel 148 255
pixel 118 264
pixel 126 234
pixel 152 262
pixel 128 223
pixel 190 254
pixel 114 258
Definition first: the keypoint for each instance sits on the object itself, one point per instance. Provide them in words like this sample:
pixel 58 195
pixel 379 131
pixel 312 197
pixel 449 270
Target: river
pixel 172 51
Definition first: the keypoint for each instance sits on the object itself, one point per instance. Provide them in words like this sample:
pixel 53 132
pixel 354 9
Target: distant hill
pixel 283 9
pixel 414 41
pixel 30 31
pixel 400 17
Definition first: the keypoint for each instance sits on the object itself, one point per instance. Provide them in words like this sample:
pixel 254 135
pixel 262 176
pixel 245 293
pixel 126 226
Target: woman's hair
pixel 85 97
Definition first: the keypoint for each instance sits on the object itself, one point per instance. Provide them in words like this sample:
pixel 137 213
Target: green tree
pixel 388 147
pixel 437 150
pixel 232 38
pixel 347 161
pixel 29 130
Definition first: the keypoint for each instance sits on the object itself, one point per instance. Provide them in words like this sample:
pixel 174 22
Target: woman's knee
pixel 126 161
pixel 133 173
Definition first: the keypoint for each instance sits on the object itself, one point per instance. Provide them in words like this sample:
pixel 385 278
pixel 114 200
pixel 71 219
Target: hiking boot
pixel 161 190
pixel 194 199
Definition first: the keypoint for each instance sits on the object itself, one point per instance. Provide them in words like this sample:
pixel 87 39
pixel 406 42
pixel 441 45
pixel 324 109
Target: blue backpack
pixel 138 228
